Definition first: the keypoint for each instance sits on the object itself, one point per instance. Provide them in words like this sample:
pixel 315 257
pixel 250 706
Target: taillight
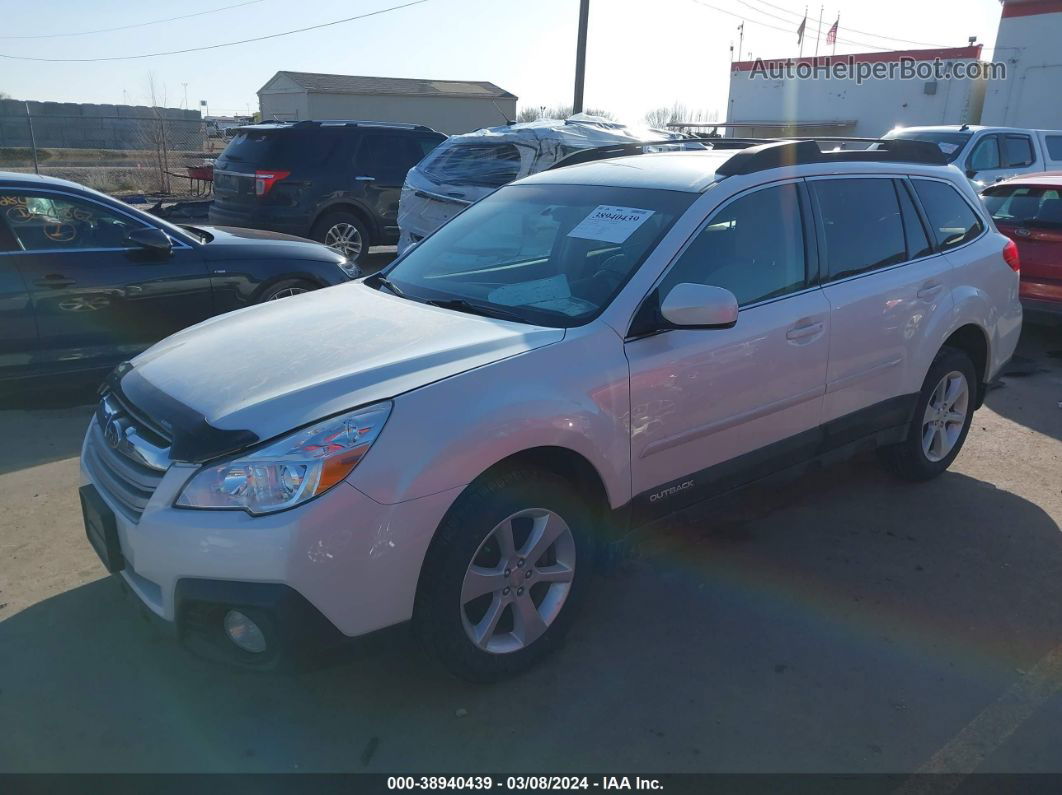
pixel 1011 256
pixel 265 180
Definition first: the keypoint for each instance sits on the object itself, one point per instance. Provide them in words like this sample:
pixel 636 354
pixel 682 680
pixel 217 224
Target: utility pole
pixel 580 56
pixel 185 105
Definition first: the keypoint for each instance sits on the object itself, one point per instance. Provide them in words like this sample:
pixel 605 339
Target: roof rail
pixel 343 123
pixel 623 149
pixel 796 152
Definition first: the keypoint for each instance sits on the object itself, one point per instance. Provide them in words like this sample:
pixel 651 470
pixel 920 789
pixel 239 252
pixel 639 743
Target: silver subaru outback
pixel 449 442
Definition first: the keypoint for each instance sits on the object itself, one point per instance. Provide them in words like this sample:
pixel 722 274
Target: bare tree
pixel 532 113
pixel 159 132
pixel 678 113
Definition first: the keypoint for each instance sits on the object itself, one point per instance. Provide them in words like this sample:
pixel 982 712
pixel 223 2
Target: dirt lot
pixel 844 622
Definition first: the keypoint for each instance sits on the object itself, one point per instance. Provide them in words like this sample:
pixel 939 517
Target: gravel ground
pixel 845 622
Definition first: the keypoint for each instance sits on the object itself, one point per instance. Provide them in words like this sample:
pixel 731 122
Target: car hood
pixel 270 368
pixel 232 243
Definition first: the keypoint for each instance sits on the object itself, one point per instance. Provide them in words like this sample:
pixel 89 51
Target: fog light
pixel 244 632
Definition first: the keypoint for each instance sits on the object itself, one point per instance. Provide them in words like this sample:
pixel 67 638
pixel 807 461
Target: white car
pixel 585 350
pixel 990 154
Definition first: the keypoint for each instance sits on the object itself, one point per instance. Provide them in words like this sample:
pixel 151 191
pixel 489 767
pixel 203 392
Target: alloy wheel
pixel 345 238
pixel 518 581
pixel 287 292
pixel 945 416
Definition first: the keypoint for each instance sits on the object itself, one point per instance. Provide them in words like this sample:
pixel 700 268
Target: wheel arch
pixel 345 205
pixel 972 340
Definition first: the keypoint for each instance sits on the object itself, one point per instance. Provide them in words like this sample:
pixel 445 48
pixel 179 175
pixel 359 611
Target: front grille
pixel 109 458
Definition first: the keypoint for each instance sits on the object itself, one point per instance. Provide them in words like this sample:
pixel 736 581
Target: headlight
pixel 290 470
pixel 349 268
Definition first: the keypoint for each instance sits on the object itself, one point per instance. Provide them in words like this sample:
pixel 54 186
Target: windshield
pixel 1025 205
pixel 553 255
pixel 950 143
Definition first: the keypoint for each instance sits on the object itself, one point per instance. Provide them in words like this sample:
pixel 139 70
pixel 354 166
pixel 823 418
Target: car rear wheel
pixel 504 575
pixel 343 232
pixel 941 419
pixel 286 289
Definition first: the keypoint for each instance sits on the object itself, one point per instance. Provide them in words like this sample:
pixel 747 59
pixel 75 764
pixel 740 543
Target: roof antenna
pixel 508 121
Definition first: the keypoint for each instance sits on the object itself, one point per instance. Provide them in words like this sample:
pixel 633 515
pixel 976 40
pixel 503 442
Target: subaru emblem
pixel 113 432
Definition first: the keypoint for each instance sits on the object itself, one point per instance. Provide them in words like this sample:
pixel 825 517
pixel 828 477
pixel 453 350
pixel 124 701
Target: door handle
pixel 55 281
pixel 365 179
pixel 930 291
pixel 805 332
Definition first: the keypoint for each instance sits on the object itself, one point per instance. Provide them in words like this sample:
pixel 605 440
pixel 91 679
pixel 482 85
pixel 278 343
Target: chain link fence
pixel 123 150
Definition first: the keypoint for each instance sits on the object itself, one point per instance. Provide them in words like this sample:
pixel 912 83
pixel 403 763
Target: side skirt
pixel 881 424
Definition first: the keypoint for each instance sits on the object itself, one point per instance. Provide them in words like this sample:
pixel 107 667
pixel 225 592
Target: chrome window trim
pixel 178 243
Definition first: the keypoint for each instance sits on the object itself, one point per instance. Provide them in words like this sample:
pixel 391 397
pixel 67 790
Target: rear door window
pixel 861 224
pixel 918 244
pixel 1054 146
pixel 952 221
pixel 1018 151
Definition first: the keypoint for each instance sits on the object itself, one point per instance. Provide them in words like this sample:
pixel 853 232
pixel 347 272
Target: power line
pixel 744 18
pixel 817 27
pixel 136 25
pixel 854 30
pixel 214 46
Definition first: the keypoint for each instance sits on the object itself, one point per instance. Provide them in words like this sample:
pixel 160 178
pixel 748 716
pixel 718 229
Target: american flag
pixel 831 36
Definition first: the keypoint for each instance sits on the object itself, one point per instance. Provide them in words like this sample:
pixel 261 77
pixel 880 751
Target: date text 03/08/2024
pixel 522 783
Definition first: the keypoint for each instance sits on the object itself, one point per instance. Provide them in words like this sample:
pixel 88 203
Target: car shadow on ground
pixel 843 622
pixel 1014 396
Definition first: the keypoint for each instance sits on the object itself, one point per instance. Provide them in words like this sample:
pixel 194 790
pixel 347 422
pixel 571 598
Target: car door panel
pixel 883 318
pixel 380 167
pixel 96 299
pixel 712 408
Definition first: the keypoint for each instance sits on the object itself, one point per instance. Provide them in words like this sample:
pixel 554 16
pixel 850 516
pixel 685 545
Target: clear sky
pixel 641 54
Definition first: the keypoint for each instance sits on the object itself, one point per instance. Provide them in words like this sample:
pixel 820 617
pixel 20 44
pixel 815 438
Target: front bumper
pixel 341 565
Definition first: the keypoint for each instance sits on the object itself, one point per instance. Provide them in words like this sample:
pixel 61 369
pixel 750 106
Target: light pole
pixel 580 57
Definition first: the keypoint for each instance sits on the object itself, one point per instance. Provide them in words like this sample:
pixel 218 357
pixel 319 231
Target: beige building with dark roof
pixel 449 106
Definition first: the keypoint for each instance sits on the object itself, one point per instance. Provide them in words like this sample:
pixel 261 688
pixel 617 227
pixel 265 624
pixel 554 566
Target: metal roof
pixel 318 83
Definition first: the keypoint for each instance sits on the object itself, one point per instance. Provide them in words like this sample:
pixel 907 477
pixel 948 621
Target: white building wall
pixel 845 107
pixel 283 99
pixel 449 115
pixel 1030 44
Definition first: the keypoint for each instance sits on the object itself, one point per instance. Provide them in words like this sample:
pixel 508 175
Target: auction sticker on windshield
pixel 610 224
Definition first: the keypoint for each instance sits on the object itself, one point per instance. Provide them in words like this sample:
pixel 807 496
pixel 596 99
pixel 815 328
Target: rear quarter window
pixel 282 149
pixel 488 165
pixel 1054 146
pixel 952 221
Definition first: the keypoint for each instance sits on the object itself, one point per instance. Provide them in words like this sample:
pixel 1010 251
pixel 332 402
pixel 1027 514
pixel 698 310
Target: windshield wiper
pixel 383 281
pixel 462 305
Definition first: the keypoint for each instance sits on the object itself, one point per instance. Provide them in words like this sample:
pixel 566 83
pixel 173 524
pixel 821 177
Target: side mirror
pixel 699 306
pixel 971 173
pixel 151 239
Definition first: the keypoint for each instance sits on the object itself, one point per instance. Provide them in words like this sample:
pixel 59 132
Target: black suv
pixel 333 181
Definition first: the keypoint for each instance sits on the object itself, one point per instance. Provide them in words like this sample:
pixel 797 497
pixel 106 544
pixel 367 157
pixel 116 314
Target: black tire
pixel 286 288
pixel 439 616
pixel 330 222
pixel 908 459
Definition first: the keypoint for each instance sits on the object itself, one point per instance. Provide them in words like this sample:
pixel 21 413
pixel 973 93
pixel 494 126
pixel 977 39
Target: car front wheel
pixel 504 575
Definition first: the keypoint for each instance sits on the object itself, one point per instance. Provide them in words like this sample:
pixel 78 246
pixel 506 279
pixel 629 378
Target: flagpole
pixel 818 32
pixel 803 30
pixel 741 37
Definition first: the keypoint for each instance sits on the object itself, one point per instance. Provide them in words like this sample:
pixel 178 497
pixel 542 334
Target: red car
pixel 1028 210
